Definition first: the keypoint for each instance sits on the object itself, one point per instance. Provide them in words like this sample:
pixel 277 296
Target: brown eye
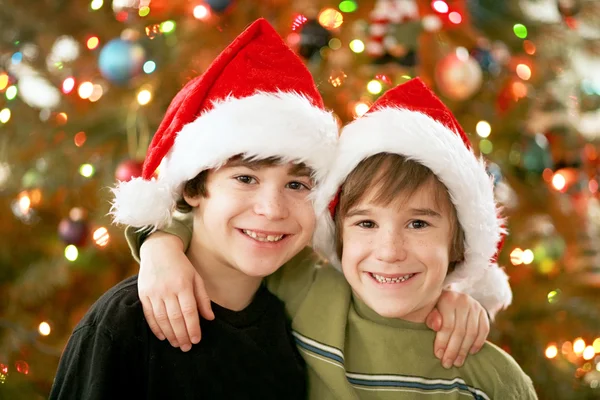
pixel 418 224
pixel 246 179
pixel 295 185
pixel 366 224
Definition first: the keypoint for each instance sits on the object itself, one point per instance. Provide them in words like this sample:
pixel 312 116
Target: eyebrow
pixel 293 170
pixel 357 211
pixel 425 212
pixel 414 211
pixel 300 170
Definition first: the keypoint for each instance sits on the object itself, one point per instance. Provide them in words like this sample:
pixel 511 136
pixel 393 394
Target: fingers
pixel 149 314
pixel 472 331
pixel 434 320
pixel 456 338
pixel 484 331
pixel 202 299
pixel 162 319
pixel 443 336
pixel 177 322
pixel 189 309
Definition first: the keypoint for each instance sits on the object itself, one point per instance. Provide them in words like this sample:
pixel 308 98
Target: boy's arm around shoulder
pixel 492 290
pixel 292 282
pixel 180 226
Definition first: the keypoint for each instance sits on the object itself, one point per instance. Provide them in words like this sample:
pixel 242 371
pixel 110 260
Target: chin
pixel 259 270
pixel 389 310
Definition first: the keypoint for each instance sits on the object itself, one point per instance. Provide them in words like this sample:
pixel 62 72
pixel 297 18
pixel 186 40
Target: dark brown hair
pixel 393 177
pixel 197 185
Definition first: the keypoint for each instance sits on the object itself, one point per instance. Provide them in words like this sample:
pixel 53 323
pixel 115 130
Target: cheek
pixel 304 213
pixel 355 250
pixel 435 254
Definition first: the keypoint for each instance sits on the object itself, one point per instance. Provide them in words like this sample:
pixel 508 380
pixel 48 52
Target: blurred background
pixel 84 84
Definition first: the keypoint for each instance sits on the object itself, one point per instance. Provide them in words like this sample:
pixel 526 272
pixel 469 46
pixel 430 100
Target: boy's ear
pixel 192 201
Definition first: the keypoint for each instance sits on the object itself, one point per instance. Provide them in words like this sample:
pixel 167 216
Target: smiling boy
pixel 239 149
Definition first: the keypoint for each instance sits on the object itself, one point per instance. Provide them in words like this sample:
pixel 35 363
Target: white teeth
pixel 261 237
pixel 383 279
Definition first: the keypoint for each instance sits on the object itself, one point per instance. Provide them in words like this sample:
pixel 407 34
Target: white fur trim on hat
pixel 492 290
pixel 263 125
pixel 420 138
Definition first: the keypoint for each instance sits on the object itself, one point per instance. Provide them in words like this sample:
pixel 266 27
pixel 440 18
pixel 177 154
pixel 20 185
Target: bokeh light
pixel 71 253
pixel 201 12
pixel 101 236
pixel 357 46
pixel 551 351
pixel 144 97
pixel 520 31
pixel 483 129
pixel 85 90
pixel 330 18
pixel 440 6
pixel 44 329
pixel 92 43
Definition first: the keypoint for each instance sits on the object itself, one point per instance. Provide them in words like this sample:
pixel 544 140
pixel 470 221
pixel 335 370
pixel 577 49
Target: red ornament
pixel 128 170
pixel 22 367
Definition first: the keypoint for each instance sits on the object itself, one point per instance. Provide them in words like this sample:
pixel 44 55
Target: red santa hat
pixel 257 99
pixel 411 121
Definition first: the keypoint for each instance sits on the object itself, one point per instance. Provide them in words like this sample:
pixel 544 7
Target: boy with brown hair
pixel 406 211
pixel 242 144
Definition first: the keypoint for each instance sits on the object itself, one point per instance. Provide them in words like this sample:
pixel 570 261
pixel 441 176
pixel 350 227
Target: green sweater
pixel 353 353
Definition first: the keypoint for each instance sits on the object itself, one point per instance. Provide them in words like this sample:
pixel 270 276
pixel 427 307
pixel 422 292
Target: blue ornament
pixel 120 60
pixel 486 60
pixel 218 6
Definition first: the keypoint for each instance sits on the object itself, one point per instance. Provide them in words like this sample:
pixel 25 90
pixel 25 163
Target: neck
pixel 224 284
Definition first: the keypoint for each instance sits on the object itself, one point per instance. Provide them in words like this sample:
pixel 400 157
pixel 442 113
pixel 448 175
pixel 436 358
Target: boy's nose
pixel 390 247
pixel 271 204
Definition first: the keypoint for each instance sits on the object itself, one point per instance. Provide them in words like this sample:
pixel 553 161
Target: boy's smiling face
pixel 396 256
pixel 254 218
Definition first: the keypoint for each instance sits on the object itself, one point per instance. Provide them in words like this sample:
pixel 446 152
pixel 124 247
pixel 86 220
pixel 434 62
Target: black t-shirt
pixel 113 354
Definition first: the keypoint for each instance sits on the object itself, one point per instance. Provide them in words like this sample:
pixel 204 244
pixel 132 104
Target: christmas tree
pixel 84 84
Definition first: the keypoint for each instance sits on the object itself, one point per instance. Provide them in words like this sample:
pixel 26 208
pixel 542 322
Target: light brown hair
pixel 197 185
pixel 393 177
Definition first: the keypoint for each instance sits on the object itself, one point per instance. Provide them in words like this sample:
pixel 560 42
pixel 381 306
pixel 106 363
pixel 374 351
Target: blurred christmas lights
pixel 71 252
pixel 96 4
pixel 520 31
pixel 357 46
pixel 330 18
pixel 483 129
pixel 440 6
pixel 101 236
pixel 201 12
pixel 44 329
pixel 85 89
pixel 551 351
pixel 93 42
pixel 144 97
pixel 523 72
pixel 455 17
pixel 4 115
